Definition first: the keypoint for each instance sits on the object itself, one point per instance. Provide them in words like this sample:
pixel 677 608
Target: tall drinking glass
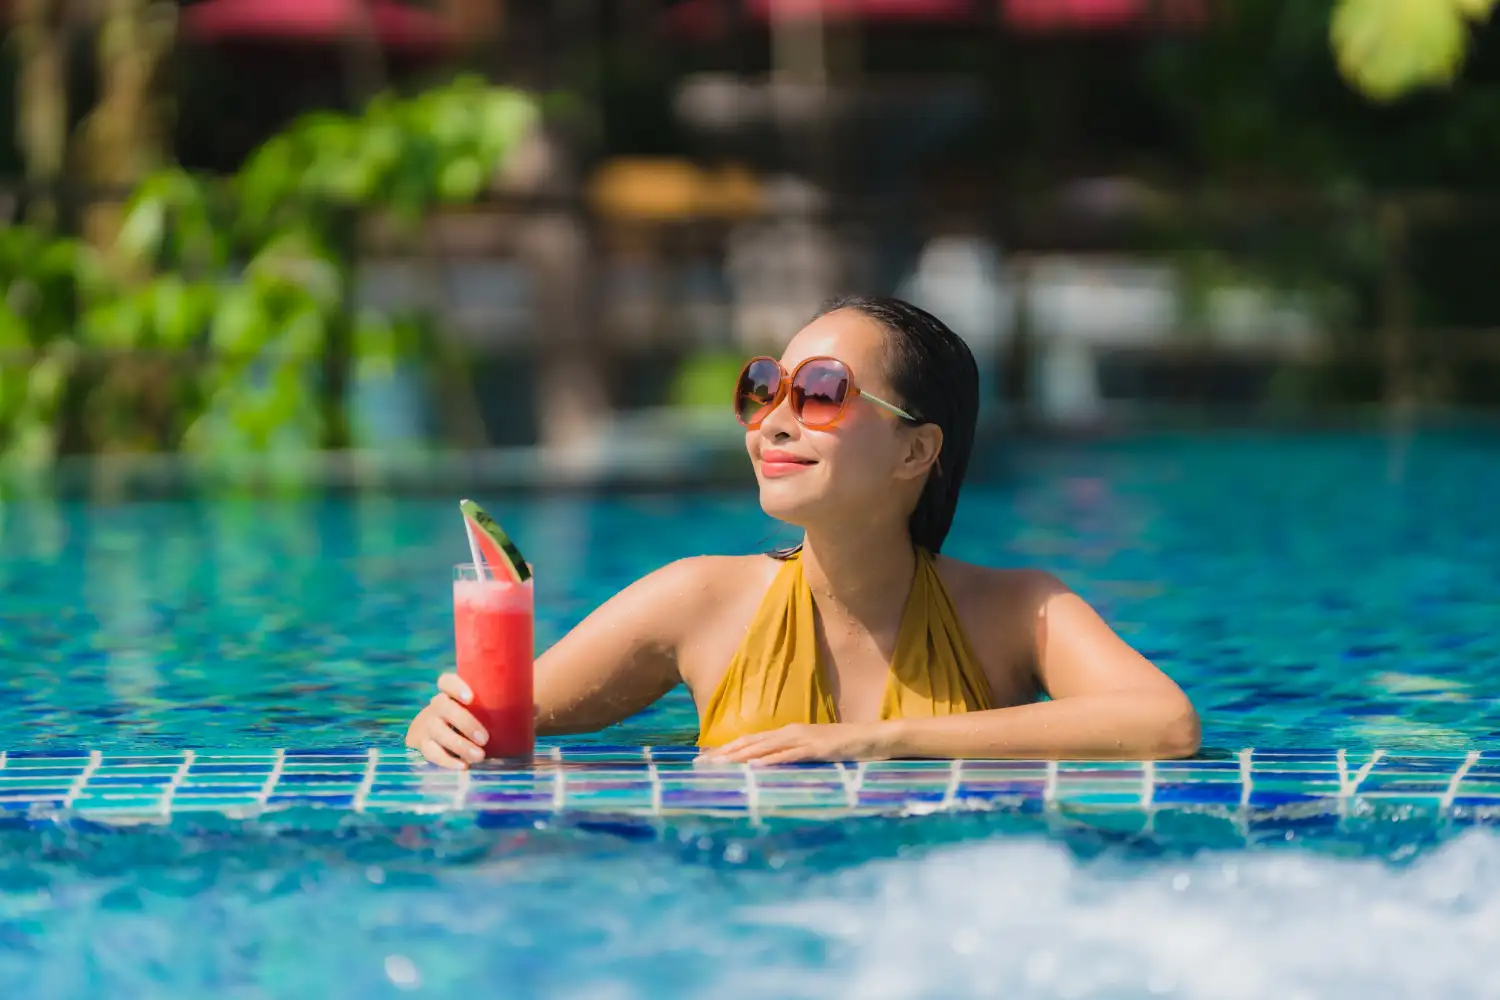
pixel 493 624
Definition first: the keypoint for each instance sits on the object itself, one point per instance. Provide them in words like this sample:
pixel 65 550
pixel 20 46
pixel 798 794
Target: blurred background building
pixel 536 239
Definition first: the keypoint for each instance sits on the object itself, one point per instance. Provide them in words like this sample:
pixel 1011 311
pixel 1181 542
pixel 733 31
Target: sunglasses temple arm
pixel 892 407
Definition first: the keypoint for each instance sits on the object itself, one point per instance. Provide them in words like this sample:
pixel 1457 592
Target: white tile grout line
pixel 851 794
pixel 366 783
pixel 461 788
pixel 1247 785
pixel 1148 794
pixel 1348 786
pixel 271 779
pixel 655 777
pixel 1470 759
pixel 955 775
pixel 559 781
pixel 176 782
pixel 1247 781
pixel 1364 770
pixel 95 758
pixel 752 794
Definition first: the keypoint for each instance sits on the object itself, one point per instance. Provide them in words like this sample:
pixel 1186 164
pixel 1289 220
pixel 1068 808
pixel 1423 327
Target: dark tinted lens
pixel 757 390
pixel 819 391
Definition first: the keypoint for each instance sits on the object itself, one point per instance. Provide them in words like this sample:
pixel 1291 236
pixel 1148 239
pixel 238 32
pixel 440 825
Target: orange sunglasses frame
pixel 788 377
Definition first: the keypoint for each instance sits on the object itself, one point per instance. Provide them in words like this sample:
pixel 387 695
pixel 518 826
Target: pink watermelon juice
pixel 493 627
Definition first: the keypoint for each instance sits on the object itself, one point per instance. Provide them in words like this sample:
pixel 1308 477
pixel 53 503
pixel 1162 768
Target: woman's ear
pixel 924 443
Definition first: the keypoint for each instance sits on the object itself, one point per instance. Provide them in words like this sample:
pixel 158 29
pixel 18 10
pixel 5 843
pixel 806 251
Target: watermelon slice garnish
pixel 494 544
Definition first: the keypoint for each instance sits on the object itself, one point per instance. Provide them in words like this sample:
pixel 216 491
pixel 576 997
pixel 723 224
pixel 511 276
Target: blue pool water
pixel 1324 591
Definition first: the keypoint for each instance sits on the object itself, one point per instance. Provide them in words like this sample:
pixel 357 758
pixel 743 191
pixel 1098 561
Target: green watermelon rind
pixel 515 563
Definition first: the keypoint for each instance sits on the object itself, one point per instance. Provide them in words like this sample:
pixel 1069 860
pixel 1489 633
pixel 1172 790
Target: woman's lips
pixel 775 464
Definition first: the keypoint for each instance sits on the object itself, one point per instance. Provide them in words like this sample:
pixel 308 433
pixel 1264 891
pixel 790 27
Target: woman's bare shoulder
pixel 998 589
pixel 701 585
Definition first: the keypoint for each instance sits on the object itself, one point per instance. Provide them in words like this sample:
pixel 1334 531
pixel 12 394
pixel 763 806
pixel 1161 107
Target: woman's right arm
pixel 613 664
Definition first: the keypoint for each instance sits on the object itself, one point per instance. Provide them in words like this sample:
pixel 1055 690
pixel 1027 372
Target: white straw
pixel 479 568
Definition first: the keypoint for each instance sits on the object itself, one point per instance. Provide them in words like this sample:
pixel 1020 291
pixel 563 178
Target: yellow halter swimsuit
pixel 776 677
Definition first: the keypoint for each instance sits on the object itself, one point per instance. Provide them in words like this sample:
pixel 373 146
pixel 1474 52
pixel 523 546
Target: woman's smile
pixel 775 463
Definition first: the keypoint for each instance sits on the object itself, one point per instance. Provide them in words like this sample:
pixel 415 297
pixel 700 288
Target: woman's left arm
pixel 1108 702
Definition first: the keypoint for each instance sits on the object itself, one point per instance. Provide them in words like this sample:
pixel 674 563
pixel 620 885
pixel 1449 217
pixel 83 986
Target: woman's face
pixel 869 465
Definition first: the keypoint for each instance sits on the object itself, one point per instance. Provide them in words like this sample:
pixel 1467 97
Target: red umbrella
pixel 863 10
pixel 705 18
pixel 1101 15
pixel 702 16
pixel 395 26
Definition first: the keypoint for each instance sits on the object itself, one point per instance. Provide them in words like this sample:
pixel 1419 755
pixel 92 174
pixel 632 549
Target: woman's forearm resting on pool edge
pixel 1132 725
pixel 1122 725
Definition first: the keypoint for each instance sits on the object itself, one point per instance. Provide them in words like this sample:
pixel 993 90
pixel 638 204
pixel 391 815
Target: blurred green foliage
pixel 1387 48
pixel 223 320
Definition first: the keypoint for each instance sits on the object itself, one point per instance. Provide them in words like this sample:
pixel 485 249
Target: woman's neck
pixel 866 576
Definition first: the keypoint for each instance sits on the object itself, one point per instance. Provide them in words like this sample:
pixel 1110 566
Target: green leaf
pixel 374 343
pixel 462 180
pixel 240 326
pixel 1389 47
pixel 15 334
pixel 179 310
pixel 13 386
pixel 303 337
pixel 296 261
pixel 144 229
pixel 33 442
pixel 44 385
pixel 119 325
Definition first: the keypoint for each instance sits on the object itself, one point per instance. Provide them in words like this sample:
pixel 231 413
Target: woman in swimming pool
pixel 862 643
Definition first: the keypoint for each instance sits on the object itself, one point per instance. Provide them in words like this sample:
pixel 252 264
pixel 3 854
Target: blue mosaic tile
pixel 1217 793
pixel 13 756
pixel 1122 800
pixel 107 780
pixel 327 801
pixel 35 795
pixel 45 781
pixel 1268 799
pixel 688 797
pixel 1215 767
pixel 45 770
pixel 987 787
pixel 29 805
pixel 136 804
pixel 212 802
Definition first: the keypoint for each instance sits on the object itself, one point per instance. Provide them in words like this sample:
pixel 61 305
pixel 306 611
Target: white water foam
pixel 1024 919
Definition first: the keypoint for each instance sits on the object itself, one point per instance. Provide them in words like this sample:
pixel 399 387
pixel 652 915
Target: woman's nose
pixel 780 423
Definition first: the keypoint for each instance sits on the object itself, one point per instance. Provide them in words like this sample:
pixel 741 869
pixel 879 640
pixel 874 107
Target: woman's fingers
pixel 744 742
pixel 755 747
pixel 459 718
pixel 444 736
pixel 433 751
pixel 454 687
pixel 791 756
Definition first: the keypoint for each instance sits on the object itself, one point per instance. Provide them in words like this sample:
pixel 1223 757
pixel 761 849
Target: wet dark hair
pixel 936 379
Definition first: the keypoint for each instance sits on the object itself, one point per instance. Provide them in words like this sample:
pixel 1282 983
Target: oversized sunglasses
pixel 819 389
